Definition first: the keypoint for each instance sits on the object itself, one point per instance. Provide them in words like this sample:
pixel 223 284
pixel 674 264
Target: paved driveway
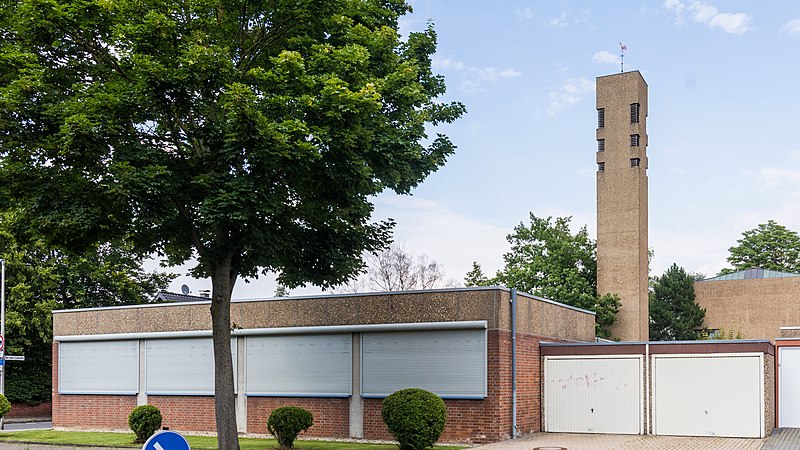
pixel 617 441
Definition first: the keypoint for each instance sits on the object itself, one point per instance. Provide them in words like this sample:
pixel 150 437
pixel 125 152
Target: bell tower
pixel 622 200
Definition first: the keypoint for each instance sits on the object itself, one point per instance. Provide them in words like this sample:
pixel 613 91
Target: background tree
pixel 39 280
pixel 249 135
pixel 476 277
pixel 396 269
pixel 548 260
pixel 769 246
pixel 674 314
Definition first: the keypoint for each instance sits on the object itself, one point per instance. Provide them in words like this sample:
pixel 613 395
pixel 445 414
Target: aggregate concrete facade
pixel 756 308
pixel 469 421
pixel 622 233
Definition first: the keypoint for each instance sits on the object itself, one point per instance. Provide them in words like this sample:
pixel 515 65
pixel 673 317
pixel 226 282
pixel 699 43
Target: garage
pixel 593 394
pixel 708 394
pixel 788 387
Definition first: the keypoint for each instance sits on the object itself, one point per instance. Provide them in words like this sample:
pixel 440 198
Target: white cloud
pixel 676 7
pixel 474 77
pixel 572 91
pixel 525 13
pixel 706 14
pixel 605 57
pixel 792 27
pixel 737 23
pixel 779 179
pixel 560 21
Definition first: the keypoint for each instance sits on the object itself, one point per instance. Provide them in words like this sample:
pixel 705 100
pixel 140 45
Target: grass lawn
pixel 196 442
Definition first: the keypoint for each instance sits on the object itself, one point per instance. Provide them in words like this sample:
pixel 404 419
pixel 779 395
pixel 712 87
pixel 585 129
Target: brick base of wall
pixel 331 415
pixel 185 412
pixel 21 410
pixel 92 411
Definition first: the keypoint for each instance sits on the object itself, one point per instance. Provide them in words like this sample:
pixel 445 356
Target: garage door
pixel 593 394
pixel 788 387
pixel 701 395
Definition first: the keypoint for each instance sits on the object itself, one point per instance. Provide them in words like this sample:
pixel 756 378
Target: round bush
pixel 286 422
pixel 5 405
pixel 144 420
pixel 415 417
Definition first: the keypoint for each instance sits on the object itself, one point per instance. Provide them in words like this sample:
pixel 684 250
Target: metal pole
pixel 3 331
pixel 514 430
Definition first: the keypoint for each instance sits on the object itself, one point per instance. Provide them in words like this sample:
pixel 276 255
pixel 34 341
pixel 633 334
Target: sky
pixel 723 126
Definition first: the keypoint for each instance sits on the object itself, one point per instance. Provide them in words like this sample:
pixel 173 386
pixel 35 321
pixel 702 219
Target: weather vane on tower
pixel 622 48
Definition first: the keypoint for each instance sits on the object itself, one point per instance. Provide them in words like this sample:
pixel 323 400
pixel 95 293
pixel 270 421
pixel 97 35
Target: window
pixel 634 140
pixel 449 363
pixel 601 145
pixel 601 117
pixel 634 113
pixel 181 366
pixel 98 367
pixel 601 166
pixel 635 162
pixel 317 365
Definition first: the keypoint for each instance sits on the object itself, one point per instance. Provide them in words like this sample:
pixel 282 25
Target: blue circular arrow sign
pixel 166 440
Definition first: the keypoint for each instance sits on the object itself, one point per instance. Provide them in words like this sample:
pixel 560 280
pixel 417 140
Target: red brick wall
pixel 331 415
pixel 185 413
pixel 20 410
pixel 93 411
pixel 469 421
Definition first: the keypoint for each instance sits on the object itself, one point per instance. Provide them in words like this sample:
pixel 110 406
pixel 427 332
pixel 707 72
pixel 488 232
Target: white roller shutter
pixel 449 363
pixel 789 387
pixel 703 395
pixel 97 367
pixel 299 365
pixel 181 366
pixel 593 394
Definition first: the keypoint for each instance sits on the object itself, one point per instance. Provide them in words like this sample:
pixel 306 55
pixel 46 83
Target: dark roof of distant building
pixel 753 274
pixel 172 297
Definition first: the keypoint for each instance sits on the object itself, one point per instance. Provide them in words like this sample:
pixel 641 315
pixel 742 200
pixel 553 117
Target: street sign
pixel 166 440
pixel 2 342
pixel 14 358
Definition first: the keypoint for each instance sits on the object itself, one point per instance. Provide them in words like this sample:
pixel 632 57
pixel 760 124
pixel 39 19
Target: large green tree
pixel 674 314
pixel 41 279
pixel 247 134
pixel 548 260
pixel 768 246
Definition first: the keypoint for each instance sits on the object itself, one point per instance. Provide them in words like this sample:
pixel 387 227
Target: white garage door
pixel 593 394
pixel 789 387
pixel 699 395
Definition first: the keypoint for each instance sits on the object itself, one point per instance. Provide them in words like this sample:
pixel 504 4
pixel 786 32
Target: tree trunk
pixel 225 399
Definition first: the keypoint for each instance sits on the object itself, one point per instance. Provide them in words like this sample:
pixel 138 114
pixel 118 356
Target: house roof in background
pixel 753 274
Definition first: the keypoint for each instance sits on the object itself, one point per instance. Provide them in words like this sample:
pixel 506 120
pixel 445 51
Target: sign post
pixel 166 440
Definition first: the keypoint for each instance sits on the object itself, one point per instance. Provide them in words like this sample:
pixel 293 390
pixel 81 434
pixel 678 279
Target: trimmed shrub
pixel 144 420
pixel 415 417
pixel 5 405
pixel 286 422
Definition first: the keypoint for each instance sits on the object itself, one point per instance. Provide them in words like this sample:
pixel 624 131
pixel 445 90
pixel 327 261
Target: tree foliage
pixel 548 260
pixel 40 279
pixel 769 246
pixel 249 135
pixel 674 314
pixel 475 276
